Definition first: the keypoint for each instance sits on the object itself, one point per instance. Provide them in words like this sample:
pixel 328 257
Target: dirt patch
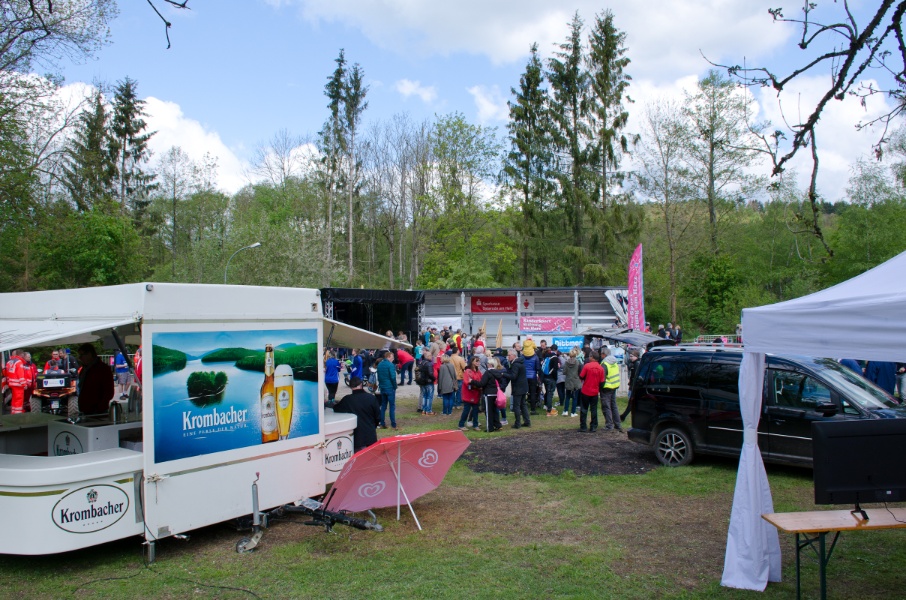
pixel 553 451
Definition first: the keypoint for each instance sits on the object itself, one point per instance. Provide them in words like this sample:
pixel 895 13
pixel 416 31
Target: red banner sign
pixel 493 304
pixel 546 324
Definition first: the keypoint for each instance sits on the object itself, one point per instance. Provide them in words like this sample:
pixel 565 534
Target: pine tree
pixel 606 63
pixel 89 169
pixel 569 110
pixel 129 145
pixel 354 91
pixel 332 145
pixel 529 162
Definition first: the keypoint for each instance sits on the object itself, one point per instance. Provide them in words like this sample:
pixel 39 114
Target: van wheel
pixel 673 447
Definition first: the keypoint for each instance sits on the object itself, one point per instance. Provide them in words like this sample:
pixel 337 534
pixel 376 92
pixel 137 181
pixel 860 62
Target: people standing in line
pixel 489 384
pixel 425 378
pixel 122 374
pixel 532 373
pixel 31 372
pixel 471 395
pixel 518 390
pixel 332 369
pixel 446 383
pixel 356 369
pixel 550 367
pixel 365 407
pixel 459 363
pixel 632 356
pixel 561 377
pixel 572 384
pixel 609 388
pixel 405 361
pixel 386 375
pixel 592 375
pixel 418 349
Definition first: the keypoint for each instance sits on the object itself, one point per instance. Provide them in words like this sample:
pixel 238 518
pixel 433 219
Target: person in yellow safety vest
pixel 609 391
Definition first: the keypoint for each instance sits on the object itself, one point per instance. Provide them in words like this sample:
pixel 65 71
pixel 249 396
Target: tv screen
pixel 859 461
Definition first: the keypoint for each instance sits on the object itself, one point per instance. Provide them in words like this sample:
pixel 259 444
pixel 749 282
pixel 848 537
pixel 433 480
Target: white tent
pixel 862 318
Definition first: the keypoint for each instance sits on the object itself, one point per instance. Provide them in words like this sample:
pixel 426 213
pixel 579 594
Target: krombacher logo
pixel 213 419
pixel 337 452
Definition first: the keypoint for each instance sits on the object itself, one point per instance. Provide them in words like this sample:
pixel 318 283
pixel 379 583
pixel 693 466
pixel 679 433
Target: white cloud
pixel 661 37
pixel 175 129
pixel 407 88
pixel 491 104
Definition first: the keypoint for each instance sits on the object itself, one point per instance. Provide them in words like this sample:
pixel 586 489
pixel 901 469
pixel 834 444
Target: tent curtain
pixel 753 546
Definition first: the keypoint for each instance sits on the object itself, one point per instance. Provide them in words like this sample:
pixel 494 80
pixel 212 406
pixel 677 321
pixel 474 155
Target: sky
pixel 241 71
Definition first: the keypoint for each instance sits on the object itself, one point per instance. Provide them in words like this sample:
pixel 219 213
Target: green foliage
pixel 129 147
pixel 167 360
pixel 90 168
pixel 227 355
pixel 206 387
pixel 303 358
pixel 866 236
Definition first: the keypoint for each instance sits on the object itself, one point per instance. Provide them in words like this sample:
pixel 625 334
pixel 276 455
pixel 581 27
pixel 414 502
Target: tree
pixel 175 171
pixel 571 132
pixel 89 168
pixel 129 144
pixel 847 51
pixel 721 145
pixel 608 83
pixel 663 179
pixel 332 145
pixel 36 33
pixel 354 91
pixel 528 165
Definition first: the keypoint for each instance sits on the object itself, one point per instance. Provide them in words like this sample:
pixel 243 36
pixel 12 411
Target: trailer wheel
pixel 242 545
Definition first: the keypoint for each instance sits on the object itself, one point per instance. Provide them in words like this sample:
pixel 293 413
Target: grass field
pixel 657 535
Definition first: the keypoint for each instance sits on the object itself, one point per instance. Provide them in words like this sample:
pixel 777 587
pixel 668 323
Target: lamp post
pixel 227 267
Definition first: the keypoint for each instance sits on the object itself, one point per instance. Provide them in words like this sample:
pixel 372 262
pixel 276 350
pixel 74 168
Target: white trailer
pixel 189 458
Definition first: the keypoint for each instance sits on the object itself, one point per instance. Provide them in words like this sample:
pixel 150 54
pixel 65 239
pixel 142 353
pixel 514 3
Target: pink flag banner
pixel 636 292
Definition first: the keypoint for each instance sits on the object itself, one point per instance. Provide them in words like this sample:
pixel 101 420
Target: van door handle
pixel 778 421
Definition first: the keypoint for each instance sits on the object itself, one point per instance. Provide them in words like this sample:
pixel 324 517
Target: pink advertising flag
pixel 636 292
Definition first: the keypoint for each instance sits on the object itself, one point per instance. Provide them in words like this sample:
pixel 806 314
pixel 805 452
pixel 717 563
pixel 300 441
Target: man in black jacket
pixel 518 390
pixel 367 411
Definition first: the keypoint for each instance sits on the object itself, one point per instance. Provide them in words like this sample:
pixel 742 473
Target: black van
pixel 685 400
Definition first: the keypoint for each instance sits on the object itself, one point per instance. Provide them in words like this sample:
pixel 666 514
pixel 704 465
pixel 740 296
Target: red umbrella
pixel 396 469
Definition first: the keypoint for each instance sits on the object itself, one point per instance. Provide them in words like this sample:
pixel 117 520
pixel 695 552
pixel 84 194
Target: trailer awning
pixel 341 335
pixel 23 333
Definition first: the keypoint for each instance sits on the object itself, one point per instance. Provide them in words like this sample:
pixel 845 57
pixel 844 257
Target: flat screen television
pixel 859 461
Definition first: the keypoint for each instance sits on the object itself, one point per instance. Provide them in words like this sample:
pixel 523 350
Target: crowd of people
pixel 94 377
pixel 526 379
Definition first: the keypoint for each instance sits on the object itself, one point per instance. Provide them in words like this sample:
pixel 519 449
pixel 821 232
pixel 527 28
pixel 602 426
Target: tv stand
pixel 861 512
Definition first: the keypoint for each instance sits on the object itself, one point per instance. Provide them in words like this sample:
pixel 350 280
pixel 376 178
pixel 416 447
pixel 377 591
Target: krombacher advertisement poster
pixel 223 390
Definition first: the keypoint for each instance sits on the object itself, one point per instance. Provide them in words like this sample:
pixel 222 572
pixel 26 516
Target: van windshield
pixel 854 387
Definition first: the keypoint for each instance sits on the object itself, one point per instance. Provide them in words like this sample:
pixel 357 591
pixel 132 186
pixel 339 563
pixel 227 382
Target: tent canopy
pixel 859 318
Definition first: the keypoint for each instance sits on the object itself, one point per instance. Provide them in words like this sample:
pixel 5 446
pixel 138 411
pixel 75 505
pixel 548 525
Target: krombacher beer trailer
pixel 230 402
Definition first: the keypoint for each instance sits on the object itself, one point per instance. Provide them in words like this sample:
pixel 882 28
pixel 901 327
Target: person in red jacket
pixel 592 375
pixel 17 377
pixel 405 362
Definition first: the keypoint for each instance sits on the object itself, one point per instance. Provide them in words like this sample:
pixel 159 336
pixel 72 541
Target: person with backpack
pixel 573 383
pixel 470 395
pixel 532 375
pixel 519 390
pixel 549 370
pixel 424 377
pixel 489 384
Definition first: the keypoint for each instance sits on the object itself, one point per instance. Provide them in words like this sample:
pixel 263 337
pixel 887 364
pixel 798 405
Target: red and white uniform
pixel 18 378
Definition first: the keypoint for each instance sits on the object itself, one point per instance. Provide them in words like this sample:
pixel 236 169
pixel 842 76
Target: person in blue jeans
pixel 386 375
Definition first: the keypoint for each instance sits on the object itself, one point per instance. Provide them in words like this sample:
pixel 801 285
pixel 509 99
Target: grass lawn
pixel 661 534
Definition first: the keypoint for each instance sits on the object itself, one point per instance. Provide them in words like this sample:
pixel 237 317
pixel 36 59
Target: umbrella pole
pixel 399 489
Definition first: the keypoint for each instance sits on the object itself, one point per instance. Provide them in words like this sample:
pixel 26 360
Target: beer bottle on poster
pixel 268 398
pixel 283 381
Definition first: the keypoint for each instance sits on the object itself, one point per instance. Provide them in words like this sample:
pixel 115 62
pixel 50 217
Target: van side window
pixel 725 377
pixel 796 390
pixel 678 372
